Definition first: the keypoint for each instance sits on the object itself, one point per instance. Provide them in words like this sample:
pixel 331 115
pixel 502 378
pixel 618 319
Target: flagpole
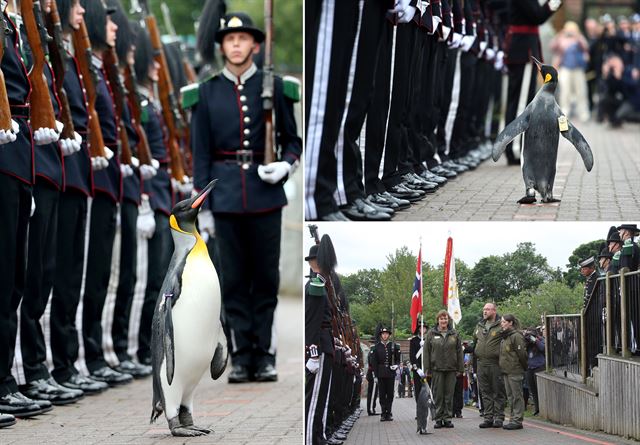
pixel 421 306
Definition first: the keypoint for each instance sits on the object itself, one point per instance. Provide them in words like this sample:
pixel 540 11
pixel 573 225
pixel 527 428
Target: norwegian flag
pixel 416 297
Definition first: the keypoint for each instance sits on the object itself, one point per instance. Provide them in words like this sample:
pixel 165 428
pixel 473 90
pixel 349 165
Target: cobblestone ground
pixel 254 413
pixel 369 430
pixel 611 191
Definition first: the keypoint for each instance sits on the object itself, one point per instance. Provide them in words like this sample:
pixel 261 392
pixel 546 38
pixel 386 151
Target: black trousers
pixel 102 230
pixel 127 281
pixel 334 416
pixel 316 393
pixel 41 264
pixel 357 390
pixel 431 108
pixel 417 387
pixel 72 221
pixel 15 207
pixel 159 251
pixel 372 395
pixel 533 385
pixel 250 257
pixel 386 394
pixel 458 397
pixel 516 74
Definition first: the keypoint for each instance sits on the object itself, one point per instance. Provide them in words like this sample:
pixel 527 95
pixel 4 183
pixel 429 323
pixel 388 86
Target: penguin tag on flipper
pixel 168 338
pixel 563 123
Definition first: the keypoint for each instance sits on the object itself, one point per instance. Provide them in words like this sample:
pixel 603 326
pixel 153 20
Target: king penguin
pixel 187 335
pixel 541 122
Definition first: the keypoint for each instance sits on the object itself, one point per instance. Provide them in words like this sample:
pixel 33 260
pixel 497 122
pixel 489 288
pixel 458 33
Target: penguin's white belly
pixel 196 326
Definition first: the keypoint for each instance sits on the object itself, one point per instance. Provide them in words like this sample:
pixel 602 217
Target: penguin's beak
pixel 537 62
pixel 199 199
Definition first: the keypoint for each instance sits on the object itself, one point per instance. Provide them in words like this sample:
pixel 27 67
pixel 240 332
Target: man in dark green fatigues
pixel 486 339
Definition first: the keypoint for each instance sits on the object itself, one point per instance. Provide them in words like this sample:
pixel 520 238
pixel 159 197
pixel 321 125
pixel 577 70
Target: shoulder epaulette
pixel 190 94
pixel 316 287
pixel 291 88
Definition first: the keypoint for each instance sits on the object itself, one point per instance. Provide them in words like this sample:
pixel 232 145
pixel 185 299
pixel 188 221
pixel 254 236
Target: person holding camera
pixel 535 362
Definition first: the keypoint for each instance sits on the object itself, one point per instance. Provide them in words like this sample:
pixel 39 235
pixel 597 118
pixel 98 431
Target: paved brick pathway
pixel 611 191
pixel 256 413
pixel 369 430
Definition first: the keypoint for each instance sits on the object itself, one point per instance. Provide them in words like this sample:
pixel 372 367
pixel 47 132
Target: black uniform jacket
pixel 131 185
pixel 522 39
pixel 317 329
pixel 77 167
pixel 16 158
pixel 383 358
pixel 229 117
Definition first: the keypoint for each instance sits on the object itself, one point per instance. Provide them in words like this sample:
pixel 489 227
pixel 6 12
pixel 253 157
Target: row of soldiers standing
pixel 422 80
pixel 334 363
pixel 63 185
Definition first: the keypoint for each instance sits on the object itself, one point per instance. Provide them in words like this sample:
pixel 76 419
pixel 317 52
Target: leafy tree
pixel 592 248
pixel 362 287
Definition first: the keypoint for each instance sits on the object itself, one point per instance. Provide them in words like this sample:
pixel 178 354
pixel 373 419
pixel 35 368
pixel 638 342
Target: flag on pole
pixel 450 286
pixel 416 297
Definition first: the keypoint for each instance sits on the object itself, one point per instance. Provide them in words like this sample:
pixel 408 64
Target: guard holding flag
pixel 386 356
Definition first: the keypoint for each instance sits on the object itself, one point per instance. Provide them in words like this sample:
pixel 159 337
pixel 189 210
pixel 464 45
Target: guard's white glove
pixel 445 32
pixel 44 136
pixel 33 207
pixel 9 135
pixel 490 54
pixel 147 172
pixel 554 5
pixel 205 223
pixel 155 164
pixel 313 365
pixel 186 186
pixel 467 43
pixel 483 47
pixel 498 64
pixel 126 170
pixel 393 367
pixel 274 172
pixel 70 146
pixel 420 373
pixel 99 163
pixel 400 6
pixel 146 223
pixel 407 15
pixel 135 162
pixel 456 40
pixel 421 343
pixel 108 153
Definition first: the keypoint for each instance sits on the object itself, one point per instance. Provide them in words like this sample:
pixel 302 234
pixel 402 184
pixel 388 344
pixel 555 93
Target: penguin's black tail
pixel 156 411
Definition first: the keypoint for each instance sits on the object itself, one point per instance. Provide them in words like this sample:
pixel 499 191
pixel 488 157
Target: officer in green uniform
pixel 630 256
pixel 443 359
pixel 486 339
pixel 513 362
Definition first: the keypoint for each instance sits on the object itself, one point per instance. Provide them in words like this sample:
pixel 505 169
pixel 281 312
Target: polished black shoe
pixel 432 177
pixel 111 376
pixel 445 172
pixel 380 208
pixel 238 374
pixel 335 216
pixel 401 203
pixel 379 200
pixel 136 370
pixel 448 424
pixel 438 424
pixel 487 424
pixel 7 420
pixel 458 415
pixel 19 406
pixel 359 210
pixel 497 423
pixel 339 436
pixel 401 192
pixel 333 441
pixel 85 384
pixel 512 426
pixel 48 389
pixel 266 373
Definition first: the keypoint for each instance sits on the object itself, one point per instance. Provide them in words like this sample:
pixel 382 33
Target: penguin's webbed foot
pixel 550 200
pixel 527 200
pixel 199 428
pixel 186 431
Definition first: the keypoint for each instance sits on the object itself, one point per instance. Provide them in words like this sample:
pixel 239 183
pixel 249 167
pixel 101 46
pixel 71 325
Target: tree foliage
pixel 593 248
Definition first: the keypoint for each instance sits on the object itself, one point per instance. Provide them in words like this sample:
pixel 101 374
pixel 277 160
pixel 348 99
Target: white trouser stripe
pixel 453 106
pixel 386 125
pixel 138 295
pixel 314 401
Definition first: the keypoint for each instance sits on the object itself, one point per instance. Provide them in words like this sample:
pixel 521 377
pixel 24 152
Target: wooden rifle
pixel 168 101
pixel 5 109
pixel 268 86
pixel 82 46
pixel 42 114
pixel 130 83
pixel 112 70
pixel 58 58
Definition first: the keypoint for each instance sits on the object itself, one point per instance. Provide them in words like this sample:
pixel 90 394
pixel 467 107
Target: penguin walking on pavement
pixel 426 407
pixel 187 335
pixel 541 122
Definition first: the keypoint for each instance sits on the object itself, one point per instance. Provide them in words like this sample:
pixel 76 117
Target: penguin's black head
pixel 549 73
pixel 184 214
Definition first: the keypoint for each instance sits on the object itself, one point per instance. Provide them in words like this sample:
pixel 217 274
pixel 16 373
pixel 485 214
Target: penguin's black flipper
pixel 578 141
pixel 167 341
pixel 510 132
pixel 220 357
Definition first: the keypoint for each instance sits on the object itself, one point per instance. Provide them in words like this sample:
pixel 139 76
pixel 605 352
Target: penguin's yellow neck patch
pixel 173 223
pixel 547 78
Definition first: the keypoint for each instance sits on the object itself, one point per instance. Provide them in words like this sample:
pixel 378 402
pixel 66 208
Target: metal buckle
pixel 244 158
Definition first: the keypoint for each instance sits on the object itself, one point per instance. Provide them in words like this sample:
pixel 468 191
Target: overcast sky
pixel 366 245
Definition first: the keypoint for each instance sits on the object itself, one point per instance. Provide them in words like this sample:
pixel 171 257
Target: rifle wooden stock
pixel 82 46
pixel 42 115
pixel 267 85
pixel 111 66
pixel 5 109
pixel 58 58
pixel 167 100
pixel 143 150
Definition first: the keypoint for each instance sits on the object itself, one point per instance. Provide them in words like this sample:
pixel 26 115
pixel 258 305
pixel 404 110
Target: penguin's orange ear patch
pixel 547 78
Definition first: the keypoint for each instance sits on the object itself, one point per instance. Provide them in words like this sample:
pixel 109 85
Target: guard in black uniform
pixel 386 357
pixel 228 138
pixel 415 357
pixel 372 387
pixel 588 270
pixel 630 256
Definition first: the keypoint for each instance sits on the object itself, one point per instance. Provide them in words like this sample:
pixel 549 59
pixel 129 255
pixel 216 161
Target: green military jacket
pixel 486 339
pixel 513 352
pixel 443 351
